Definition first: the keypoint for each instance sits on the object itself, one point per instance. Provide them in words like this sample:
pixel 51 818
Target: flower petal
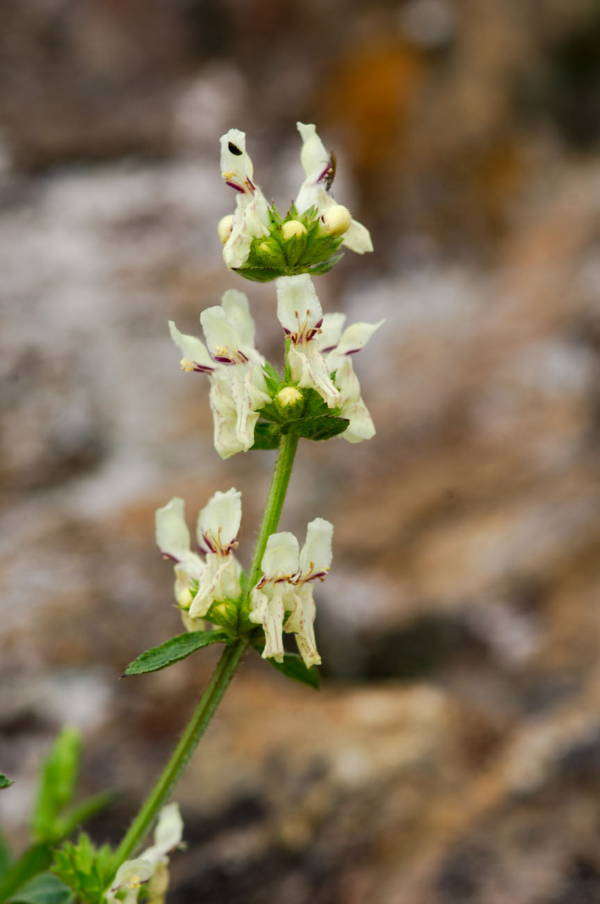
pixel 130 876
pixel 236 165
pixel 172 534
pixel 167 835
pixel 220 581
pixel 225 416
pixel 192 349
pixel 297 303
pixel 309 369
pixel 221 336
pixel 361 425
pixel 354 338
pixel 266 609
pixel 313 156
pixel 331 331
pixel 219 520
pixel 316 553
pixel 301 623
pixel 237 310
pixel 281 557
pixel 358 238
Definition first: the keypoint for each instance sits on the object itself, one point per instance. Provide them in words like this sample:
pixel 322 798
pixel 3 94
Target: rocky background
pixel 453 752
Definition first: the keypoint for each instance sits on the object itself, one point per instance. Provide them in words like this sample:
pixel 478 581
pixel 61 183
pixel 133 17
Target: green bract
pixel 275 255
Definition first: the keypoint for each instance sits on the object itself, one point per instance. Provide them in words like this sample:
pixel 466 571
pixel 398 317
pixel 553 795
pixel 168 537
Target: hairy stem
pixel 222 675
pixel 224 671
pixel 275 500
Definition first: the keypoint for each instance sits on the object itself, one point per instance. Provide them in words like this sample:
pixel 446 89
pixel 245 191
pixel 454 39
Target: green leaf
pixel 293 667
pixel 5 782
pixel 84 868
pixel 58 778
pixel 317 428
pixel 5 857
pixel 43 889
pixel 266 436
pixel 326 266
pixel 173 650
pixel 272 378
pixel 34 860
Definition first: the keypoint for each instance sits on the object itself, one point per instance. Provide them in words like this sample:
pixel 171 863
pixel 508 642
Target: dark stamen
pixel 234 149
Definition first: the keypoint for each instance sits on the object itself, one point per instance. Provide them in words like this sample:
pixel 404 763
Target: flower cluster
pixel 253 407
pixel 281 600
pixel 261 245
pixel 243 384
pixel 201 580
pixel 235 370
pixel 151 867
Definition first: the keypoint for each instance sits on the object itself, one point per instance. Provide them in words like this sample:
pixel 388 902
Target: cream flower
pixel 201 582
pixel 338 346
pixel 251 217
pixel 301 316
pixel 319 170
pixel 151 865
pixel 235 369
pixel 283 598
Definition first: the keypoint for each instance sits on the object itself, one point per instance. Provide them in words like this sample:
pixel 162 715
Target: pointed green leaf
pixel 5 857
pixel 85 869
pixel 292 667
pixel 43 889
pixel 266 436
pixel 58 778
pixel 318 428
pixel 272 378
pixel 326 266
pixel 34 860
pixel 173 650
pixel 5 781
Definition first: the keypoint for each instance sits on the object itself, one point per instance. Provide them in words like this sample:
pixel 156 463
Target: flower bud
pixel 335 220
pixel 289 395
pixel 293 228
pixel 224 227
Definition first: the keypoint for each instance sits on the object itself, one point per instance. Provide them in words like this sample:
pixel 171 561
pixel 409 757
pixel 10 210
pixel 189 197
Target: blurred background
pixel 453 752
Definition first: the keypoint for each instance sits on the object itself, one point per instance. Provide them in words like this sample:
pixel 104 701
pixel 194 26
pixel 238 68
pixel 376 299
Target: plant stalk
pixel 223 673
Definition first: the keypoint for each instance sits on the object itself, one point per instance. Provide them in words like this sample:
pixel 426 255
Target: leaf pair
pixel 183 645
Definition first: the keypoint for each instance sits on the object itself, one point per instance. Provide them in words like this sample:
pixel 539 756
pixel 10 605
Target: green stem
pixel 224 672
pixel 275 500
pixel 222 675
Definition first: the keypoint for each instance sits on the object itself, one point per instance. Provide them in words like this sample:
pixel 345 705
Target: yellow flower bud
pixel 335 220
pixel 293 228
pixel 224 227
pixel 184 597
pixel 289 395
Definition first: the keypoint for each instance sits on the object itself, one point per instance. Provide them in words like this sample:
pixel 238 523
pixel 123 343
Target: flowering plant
pixel 255 407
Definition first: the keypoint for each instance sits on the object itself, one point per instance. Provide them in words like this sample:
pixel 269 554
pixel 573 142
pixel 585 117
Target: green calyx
pixel 289 251
pixel 308 417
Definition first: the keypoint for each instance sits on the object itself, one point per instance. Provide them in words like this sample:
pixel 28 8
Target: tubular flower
pixel 283 598
pixel 234 367
pixel 338 346
pixel 251 217
pixel 319 169
pixel 201 582
pixel 301 316
pixel 152 864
